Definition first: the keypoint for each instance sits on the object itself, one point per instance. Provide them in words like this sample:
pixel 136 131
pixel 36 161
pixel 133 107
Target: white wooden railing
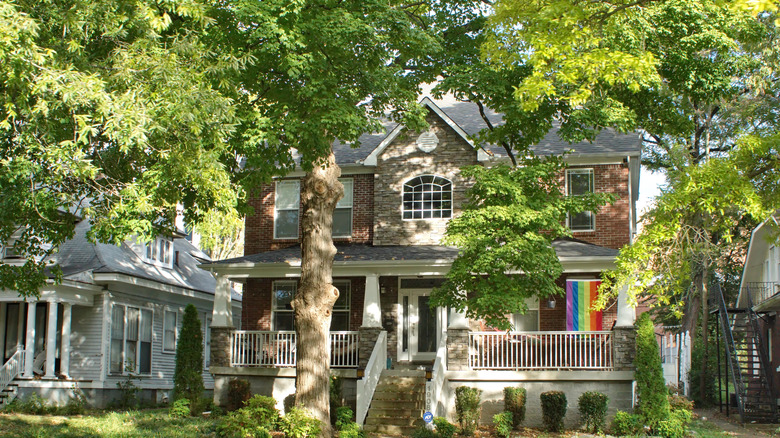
pixel 367 385
pixel 278 349
pixel 540 350
pixel 434 388
pixel 11 368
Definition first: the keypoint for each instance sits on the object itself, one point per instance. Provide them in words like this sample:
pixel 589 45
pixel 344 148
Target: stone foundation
pixel 624 345
pixel 220 346
pixel 457 349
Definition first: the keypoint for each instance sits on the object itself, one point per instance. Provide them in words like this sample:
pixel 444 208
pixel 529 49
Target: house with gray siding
pixel 115 317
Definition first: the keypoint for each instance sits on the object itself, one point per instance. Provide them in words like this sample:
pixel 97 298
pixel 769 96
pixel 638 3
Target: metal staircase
pixel 748 362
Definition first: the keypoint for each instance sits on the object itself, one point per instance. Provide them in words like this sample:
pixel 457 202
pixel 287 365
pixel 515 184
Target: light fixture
pixel 382 290
pixel 551 303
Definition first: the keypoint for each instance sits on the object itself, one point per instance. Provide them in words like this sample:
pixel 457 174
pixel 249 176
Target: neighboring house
pixel 116 315
pixel 752 331
pixel 401 188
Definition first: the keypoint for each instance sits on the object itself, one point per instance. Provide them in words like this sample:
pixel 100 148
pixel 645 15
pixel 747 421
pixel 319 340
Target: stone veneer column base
pixel 220 346
pixel 457 349
pixel 368 337
pixel 624 347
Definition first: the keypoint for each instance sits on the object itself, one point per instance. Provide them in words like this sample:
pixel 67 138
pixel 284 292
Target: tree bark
pixel 313 303
pixel 705 330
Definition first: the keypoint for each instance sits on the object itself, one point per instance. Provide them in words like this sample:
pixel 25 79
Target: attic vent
pixel 427 141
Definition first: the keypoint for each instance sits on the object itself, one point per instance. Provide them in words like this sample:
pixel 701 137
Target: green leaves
pixel 505 235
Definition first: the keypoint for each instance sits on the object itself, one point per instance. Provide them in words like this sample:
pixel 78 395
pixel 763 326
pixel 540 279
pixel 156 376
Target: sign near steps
pixel 427 417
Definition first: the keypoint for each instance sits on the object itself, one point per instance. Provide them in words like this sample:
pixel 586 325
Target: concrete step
pixel 404 373
pixel 394 410
pixel 400 395
pixel 389 429
pixel 394 421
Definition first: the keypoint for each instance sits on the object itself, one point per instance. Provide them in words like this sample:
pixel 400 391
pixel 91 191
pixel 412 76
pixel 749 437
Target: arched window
pixel 427 197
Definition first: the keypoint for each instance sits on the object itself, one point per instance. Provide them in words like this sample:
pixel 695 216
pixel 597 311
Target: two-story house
pixel 400 190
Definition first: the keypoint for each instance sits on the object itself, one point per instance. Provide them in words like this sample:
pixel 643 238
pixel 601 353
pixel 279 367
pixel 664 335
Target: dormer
pixel 158 252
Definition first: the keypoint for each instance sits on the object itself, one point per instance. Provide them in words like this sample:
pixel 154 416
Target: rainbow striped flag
pixel 580 295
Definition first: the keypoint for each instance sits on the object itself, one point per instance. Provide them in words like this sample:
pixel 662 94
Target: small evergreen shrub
pixel 503 423
pixel 468 408
pixel 298 423
pixel 676 426
pixel 238 394
pixel 180 409
pixel 188 374
pixel 263 409
pixel 514 402
pixel 625 424
pixel 593 409
pixel 653 404
pixel 344 416
pixel 553 410
pixel 444 429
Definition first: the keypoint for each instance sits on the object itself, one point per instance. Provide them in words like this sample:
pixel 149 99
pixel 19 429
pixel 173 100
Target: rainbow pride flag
pixel 580 295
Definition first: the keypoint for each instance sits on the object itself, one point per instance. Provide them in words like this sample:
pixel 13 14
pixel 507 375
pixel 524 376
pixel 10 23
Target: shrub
pixel 336 397
pixel 679 402
pixel 503 423
pixel 180 409
pixel 351 430
pixel 32 405
pixel 263 410
pixel 626 424
pixel 514 402
pixel 553 410
pixel 77 404
pixel 593 409
pixel 188 374
pixel 344 416
pixel 676 426
pixel 468 408
pixel 240 424
pixel 706 396
pixel 238 394
pixel 653 405
pixel 298 423
pixel 444 429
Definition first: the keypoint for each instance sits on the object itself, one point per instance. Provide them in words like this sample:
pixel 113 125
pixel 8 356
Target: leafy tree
pixel 505 235
pixel 188 374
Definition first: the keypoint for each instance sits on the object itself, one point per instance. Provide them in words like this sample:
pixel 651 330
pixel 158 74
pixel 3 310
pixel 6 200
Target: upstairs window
pixel 342 215
pixel 580 182
pixel 286 206
pixel 427 197
pixel 159 252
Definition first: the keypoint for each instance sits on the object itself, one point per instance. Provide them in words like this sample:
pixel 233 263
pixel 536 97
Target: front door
pixel 420 326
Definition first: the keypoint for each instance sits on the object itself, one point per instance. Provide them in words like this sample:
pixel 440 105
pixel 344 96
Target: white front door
pixel 420 328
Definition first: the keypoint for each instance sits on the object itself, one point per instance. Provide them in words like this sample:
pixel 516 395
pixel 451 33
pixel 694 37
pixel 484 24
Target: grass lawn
pixel 147 423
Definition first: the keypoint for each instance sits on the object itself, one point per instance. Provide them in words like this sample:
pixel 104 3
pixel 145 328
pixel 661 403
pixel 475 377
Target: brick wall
pixel 401 161
pixel 257 301
pixel 613 226
pixel 259 236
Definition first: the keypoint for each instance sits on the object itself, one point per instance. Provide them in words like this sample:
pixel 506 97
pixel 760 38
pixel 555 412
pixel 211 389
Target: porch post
pixel 20 327
pixel 624 334
pixel 51 340
pixel 29 343
pixel 626 315
pixel 221 323
pixel 458 342
pixel 65 347
pixel 372 320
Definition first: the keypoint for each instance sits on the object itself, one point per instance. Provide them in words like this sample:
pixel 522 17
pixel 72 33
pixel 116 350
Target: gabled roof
pixel 79 255
pixel 465 119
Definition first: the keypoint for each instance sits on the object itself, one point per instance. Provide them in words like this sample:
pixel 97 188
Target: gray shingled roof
pixel 466 115
pixel 362 253
pixel 80 255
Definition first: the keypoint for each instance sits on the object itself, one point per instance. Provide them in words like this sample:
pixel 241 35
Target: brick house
pixel 401 188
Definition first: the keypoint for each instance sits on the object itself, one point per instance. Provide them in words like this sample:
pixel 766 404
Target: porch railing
pixel 367 385
pixel 11 368
pixel 540 350
pixel 278 349
pixel 760 292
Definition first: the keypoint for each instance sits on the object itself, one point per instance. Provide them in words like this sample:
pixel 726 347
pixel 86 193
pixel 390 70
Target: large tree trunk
pixel 313 304
pixel 705 330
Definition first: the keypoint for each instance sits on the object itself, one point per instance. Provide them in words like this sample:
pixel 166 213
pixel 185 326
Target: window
pixel 427 197
pixel 286 205
pixel 131 340
pixel 580 182
pixel 169 331
pixel 159 252
pixel 528 321
pixel 342 215
pixel 283 318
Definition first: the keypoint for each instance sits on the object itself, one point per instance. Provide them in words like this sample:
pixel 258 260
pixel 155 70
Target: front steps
pixel 398 404
pixel 8 394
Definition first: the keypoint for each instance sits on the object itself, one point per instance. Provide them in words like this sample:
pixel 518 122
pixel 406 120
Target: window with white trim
pixel 342 215
pixel 131 340
pixel 159 252
pixel 528 321
pixel 169 331
pixel 287 203
pixel 427 197
pixel 283 318
pixel 580 182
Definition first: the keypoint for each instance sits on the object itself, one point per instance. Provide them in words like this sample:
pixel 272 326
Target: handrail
pixel 758 341
pixel 11 368
pixel 367 385
pixel 731 352
pixel 435 387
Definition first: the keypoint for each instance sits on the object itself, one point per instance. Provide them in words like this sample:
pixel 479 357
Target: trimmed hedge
pixel 468 408
pixel 514 402
pixel 593 409
pixel 553 410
